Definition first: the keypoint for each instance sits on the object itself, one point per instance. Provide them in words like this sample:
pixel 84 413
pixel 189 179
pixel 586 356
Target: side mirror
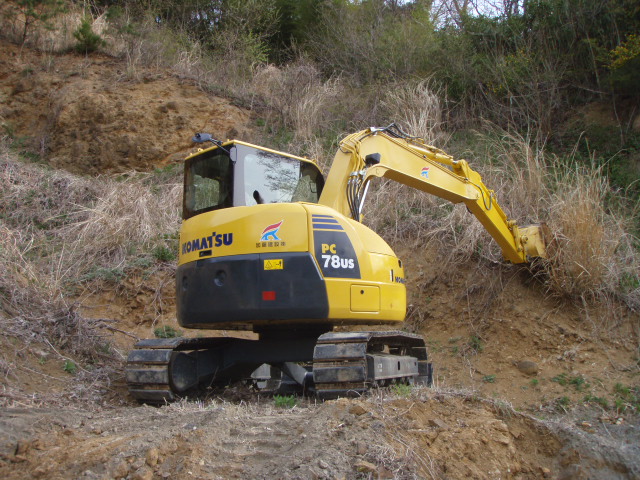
pixel 202 137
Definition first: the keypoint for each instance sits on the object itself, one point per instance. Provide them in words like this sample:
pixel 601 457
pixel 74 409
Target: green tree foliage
pixel 522 63
pixel 88 40
pixel 295 20
pixel 373 40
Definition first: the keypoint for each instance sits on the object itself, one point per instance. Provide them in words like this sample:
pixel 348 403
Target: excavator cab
pixel 244 260
pixel 238 174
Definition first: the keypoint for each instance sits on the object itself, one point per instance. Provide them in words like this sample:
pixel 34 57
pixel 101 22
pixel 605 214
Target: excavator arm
pixel 388 152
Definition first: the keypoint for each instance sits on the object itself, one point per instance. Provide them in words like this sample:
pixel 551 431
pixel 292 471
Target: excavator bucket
pixel 534 239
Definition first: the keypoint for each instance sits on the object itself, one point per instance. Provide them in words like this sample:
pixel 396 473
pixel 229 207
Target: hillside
pixel 529 383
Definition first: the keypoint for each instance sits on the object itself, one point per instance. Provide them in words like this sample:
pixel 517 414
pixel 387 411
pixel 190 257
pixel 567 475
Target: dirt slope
pixel 493 334
pixel 83 114
pixel 494 329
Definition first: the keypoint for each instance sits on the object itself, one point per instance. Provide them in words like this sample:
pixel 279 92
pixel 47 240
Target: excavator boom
pixel 387 152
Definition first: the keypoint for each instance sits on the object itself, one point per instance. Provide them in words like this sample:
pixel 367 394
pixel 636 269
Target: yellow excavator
pixel 267 245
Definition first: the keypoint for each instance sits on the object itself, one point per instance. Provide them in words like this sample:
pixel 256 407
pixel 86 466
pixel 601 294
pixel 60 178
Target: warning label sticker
pixel 274 264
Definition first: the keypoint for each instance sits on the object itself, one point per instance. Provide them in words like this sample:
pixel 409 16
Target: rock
pixel 437 423
pixel 22 448
pixel 120 470
pixel 357 410
pixel 527 367
pixel 89 475
pixel 365 467
pixel 143 473
pixel 152 457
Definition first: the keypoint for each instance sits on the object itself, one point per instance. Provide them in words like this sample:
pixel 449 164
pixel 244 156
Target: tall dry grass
pixel 127 215
pixel 58 232
pixel 417 107
pixel 297 97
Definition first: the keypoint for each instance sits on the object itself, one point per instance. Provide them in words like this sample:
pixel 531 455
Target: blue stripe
pixel 317 226
pixel 322 216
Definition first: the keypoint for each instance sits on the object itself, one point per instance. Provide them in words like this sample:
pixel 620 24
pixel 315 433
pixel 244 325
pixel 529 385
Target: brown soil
pixel 495 330
pixel 424 435
pixel 84 115
pixel 496 339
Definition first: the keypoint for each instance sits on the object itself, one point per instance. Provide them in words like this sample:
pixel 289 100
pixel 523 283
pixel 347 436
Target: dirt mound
pixel 84 115
pixel 384 436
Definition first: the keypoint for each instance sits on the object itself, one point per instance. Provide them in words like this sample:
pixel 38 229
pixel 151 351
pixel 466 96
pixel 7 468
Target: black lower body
pixel 245 291
pixel 330 365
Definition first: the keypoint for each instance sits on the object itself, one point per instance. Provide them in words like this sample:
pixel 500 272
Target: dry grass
pixel 417 107
pixel 126 214
pixel 299 97
pixel 56 229
pixel 593 255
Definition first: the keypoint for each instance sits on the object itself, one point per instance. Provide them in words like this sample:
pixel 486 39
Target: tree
pixel 88 40
pixel 34 12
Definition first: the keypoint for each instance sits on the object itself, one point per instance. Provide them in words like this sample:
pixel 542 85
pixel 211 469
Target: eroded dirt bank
pixel 84 114
pixel 424 435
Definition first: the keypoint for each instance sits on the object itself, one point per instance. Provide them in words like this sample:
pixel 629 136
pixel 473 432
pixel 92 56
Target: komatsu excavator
pixel 267 245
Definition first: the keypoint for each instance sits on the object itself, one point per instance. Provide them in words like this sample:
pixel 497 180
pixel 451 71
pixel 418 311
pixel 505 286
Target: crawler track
pixel 344 364
pixel 148 368
pixel 348 364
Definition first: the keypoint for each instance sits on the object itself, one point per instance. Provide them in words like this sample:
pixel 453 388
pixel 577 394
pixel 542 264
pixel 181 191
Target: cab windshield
pixel 243 176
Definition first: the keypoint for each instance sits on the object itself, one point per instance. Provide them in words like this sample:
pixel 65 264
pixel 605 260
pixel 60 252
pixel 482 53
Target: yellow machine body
pixel 266 243
pixel 362 278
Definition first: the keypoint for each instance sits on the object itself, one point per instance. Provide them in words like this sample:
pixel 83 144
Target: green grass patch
pixel 475 344
pixel 70 367
pixel 166 331
pixel 162 253
pixel 401 389
pixel 285 401
pixel 597 400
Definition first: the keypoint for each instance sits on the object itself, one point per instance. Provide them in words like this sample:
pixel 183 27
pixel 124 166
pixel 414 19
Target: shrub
pixel 166 331
pixel 401 389
pixel 70 367
pixel 162 253
pixel 88 40
pixel 285 401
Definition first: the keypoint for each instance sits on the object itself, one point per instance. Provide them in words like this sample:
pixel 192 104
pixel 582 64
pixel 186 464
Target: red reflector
pixel 269 295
